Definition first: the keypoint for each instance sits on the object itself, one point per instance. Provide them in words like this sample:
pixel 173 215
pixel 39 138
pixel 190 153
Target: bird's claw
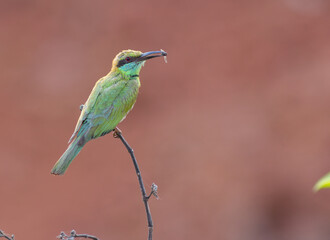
pixel 116 132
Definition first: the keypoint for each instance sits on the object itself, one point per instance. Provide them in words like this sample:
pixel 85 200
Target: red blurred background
pixel 235 129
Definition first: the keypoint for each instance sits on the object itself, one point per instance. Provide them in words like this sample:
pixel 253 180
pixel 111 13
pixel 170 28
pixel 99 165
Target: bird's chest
pixel 130 91
pixel 126 97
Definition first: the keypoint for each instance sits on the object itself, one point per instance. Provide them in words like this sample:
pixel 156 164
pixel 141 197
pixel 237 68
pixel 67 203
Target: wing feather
pixel 109 102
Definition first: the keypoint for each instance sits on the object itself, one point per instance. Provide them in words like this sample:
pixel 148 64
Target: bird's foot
pixel 116 132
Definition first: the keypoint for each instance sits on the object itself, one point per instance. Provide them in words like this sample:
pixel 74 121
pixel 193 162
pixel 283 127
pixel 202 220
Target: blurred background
pixel 235 129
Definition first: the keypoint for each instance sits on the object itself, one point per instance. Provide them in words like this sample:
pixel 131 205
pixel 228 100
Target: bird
pixel 111 99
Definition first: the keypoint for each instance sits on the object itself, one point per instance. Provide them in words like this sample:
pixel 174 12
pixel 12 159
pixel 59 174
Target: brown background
pixel 235 129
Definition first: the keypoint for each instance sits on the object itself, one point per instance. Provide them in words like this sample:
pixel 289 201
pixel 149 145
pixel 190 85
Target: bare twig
pixel 154 191
pixel 117 134
pixel 74 235
pixel 2 234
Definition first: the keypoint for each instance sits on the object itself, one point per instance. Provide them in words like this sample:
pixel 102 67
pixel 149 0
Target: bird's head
pixel 129 62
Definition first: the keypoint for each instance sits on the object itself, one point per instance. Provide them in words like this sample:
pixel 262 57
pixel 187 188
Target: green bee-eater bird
pixel 112 97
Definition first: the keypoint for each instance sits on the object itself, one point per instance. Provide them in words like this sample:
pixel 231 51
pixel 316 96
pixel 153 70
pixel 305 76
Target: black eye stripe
pixel 123 61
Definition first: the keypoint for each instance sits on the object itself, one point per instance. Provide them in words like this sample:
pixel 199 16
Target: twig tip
pixel 154 190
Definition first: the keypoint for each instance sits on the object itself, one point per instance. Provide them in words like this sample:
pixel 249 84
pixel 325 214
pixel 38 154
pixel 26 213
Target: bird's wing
pixel 107 105
pixel 94 95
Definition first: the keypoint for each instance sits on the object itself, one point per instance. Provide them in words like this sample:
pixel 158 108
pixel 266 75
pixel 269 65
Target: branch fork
pixel 2 234
pixel 74 235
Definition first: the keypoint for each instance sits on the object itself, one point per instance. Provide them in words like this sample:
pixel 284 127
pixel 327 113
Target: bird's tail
pixel 63 163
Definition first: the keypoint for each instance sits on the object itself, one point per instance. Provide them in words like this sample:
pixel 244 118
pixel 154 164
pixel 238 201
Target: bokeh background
pixel 235 129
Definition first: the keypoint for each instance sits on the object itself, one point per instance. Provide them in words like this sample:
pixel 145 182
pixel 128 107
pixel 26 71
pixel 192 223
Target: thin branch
pixel 145 197
pixel 74 235
pixel 2 234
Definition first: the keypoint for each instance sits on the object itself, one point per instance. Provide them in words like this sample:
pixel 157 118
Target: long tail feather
pixel 63 163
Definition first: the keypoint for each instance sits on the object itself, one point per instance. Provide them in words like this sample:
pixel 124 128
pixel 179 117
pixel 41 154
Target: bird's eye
pixel 128 59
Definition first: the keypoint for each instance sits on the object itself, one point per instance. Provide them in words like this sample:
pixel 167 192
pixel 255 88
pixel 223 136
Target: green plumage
pixel 108 104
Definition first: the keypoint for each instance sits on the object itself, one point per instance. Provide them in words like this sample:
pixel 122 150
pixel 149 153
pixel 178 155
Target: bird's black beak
pixel 153 54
